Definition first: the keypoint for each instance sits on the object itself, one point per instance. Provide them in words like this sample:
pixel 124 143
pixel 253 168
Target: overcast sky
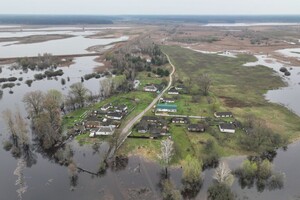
pixel 119 7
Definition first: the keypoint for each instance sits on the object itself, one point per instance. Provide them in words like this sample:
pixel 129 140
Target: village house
pixel 114 115
pixel 103 130
pixel 150 88
pixel 120 108
pixel 173 91
pixel 167 100
pixel 150 119
pixel 223 114
pixel 196 128
pixel 227 128
pixel 92 124
pixel 166 108
pixel 143 127
pixel 106 107
pixel 180 87
pixel 180 120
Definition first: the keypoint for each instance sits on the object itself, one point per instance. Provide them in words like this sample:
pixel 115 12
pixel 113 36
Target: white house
pixel 106 107
pixel 173 91
pixel 121 108
pixel 223 114
pixel 114 115
pixel 150 88
pixel 227 128
pixel 103 130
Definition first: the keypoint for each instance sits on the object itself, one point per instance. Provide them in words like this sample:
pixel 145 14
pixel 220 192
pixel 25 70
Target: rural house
pixel 103 130
pixel 223 114
pixel 92 124
pixel 114 115
pixel 166 108
pixel 167 100
pixel 173 91
pixel 106 107
pixel 180 120
pixel 196 128
pixel 227 128
pixel 150 88
pixel 121 108
pixel 143 127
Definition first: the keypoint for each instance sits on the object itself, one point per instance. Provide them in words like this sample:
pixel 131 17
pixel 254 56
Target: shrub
pixel 8 85
pixel 29 82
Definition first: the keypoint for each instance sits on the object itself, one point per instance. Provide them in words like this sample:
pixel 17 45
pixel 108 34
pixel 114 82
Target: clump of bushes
pixel 8 85
pixel 29 82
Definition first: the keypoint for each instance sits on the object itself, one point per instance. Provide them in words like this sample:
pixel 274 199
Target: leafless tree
pixel 17 128
pixel 33 102
pixel 106 87
pixel 204 84
pixel 223 174
pixel 166 154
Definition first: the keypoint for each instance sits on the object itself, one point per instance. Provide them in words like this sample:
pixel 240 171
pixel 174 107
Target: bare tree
pixel 34 102
pixel 106 87
pixel 17 128
pixel 79 92
pixel 223 174
pixel 166 154
pixel 204 84
pixel 51 105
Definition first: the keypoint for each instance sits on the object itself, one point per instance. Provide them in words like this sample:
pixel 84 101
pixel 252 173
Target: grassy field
pixel 239 89
pixel 235 88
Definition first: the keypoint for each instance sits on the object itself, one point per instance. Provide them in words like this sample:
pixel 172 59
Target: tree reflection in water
pixel 259 172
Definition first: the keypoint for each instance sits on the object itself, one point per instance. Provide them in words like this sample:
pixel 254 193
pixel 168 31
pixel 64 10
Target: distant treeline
pixel 217 18
pixel 97 19
pixel 55 19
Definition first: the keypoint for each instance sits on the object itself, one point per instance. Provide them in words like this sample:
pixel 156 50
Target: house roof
pixel 173 90
pixel 223 113
pixel 106 106
pixel 196 126
pixel 151 87
pixel 92 123
pixel 179 119
pixel 115 114
pixel 106 129
pixel 143 125
pixel 121 107
pixel 227 126
pixel 166 106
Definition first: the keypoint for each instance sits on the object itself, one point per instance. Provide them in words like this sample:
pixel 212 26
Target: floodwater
pixel 292 52
pixel 288 96
pixel 68 46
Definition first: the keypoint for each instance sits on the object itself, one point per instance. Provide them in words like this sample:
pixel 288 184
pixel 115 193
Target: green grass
pixel 149 148
pixel 237 88
pixel 182 143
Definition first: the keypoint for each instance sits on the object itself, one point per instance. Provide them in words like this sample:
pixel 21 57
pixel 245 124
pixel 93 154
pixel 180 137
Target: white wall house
pixel 150 88
pixel 227 128
pixel 103 130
